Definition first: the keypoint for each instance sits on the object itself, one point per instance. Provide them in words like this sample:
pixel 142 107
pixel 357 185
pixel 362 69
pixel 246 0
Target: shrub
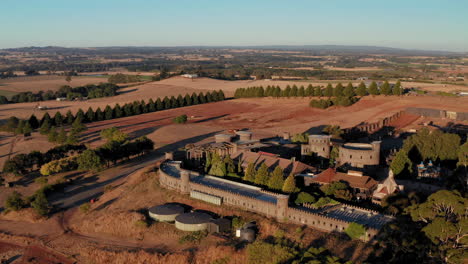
pixel 141 224
pixel 182 119
pixel 84 208
pixel 40 203
pixel 194 237
pixel 304 197
pixel 14 201
pixel 41 180
pixel 355 230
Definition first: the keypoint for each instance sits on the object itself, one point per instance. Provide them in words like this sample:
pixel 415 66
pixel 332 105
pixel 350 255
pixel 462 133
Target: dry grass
pixel 45 83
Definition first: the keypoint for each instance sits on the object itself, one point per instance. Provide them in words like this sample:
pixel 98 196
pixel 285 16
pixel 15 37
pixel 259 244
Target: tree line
pixel 86 91
pixel 48 123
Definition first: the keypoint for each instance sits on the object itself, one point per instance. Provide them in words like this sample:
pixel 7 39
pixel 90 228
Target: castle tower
pixel 282 207
pixel 184 182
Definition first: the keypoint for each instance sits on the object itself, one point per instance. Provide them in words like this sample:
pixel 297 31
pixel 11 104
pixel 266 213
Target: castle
pixel 220 191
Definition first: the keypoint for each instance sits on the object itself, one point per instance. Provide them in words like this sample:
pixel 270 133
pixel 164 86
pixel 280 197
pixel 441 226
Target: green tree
pixel 318 91
pixel 349 90
pixel 45 127
pixel 361 90
pixel 444 216
pixel 99 115
pixel 118 112
pixel 89 160
pixel 14 201
pixel 334 154
pixel 69 118
pixel 20 127
pixel 328 91
pixel 386 89
pixel 261 177
pixel 401 162
pixel 355 230
pixel 339 90
pixel 52 136
pixel 397 90
pixel 304 197
pixel 338 189
pixel 182 119
pixel 77 126
pixel 230 167
pixel 373 89
pixel 27 129
pixel 33 122
pixel 218 167
pixel 90 115
pixel 40 203
pixel 62 136
pixel 250 173
pixel 108 113
pixel 114 134
pixel 58 119
pixel 276 180
pixel 289 185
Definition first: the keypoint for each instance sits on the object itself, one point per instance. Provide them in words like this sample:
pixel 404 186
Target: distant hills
pixel 321 49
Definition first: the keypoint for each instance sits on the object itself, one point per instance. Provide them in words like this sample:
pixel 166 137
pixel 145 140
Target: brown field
pixel 435 87
pixel 45 83
pixel 264 116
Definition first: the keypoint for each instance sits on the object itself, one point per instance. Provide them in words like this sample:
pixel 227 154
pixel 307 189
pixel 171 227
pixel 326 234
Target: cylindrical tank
pixel 165 212
pixel 194 221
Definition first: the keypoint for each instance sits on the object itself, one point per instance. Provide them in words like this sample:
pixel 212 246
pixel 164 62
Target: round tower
pixel 282 207
pixel 184 182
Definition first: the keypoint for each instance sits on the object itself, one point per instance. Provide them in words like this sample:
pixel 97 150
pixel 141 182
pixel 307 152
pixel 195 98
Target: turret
pixel 184 182
pixel 282 207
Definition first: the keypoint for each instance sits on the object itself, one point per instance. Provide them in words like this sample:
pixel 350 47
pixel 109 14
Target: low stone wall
pixel 437 113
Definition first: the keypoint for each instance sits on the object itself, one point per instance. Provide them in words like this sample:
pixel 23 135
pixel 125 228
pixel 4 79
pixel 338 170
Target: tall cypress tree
pixel 289 185
pixel 328 91
pixel 151 105
pixel 309 91
pixel 136 107
pixel 80 115
pixel 349 90
pixel 261 178
pixel 250 173
pixel 159 104
pixel 99 114
pixel 187 100
pixel 194 98
pixel 318 91
pixel 108 113
pixel 208 97
pixel 90 115
pixel 167 103
pixel 69 118
pixel 373 89
pixel 221 95
pixel 361 90
pixel 397 88
pixel 180 101
pixel 45 117
pixel 276 180
pixel 201 98
pixel 118 111
pixel 301 92
pixel 338 92
pixel 58 119
pixel 144 107
pixel 386 90
pixel 33 122
pixel 128 110
pixel 45 127
pixel 174 102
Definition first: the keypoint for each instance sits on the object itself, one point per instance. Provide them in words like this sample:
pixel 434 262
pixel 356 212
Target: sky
pixel 411 24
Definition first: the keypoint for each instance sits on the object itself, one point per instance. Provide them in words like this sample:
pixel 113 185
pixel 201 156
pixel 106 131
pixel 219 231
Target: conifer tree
pixel 151 106
pixel 180 100
pixel 214 96
pixel 309 91
pixel 250 173
pixel 27 129
pixel 45 127
pixel 338 91
pixel 159 104
pixel 187 100
pixel 361 90
pixel 128 109
pixel 328 90
pixel 318 91
pixel 78 126
pixel 385 89
pixel 230 167
pixel 221 96
pixel 208 162
pixel 33 122
pixel 144 107
pixel 276 180
pixel 118 111
pixel 349 90
pixel 108 113
pixel 69 118
pixel 99 114
pixel 261 177
pixel 45 117
pixel 218 167
pixel 52 136
pixel 277 92
pixel 301 92
pixel 201 98
pixel 90 115
pixel 289 185
pixel 194 98
pixel 373 89
pixel 397 88
pixel 80 115
pixel 62 136
pixel 167 103
pixel 174 102
pixel 294 91
pixel 208 97
pixel 58 119
pixel 136 108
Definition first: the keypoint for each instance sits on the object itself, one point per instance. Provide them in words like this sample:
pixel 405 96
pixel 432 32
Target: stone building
pixel 251 198
pixel 387 187
pixel 361 185
pixel 320 145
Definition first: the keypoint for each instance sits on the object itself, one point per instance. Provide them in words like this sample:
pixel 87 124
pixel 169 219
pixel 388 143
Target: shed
pixel 219 225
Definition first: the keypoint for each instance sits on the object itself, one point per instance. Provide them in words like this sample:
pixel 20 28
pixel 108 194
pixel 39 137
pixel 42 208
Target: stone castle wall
pixel 279 210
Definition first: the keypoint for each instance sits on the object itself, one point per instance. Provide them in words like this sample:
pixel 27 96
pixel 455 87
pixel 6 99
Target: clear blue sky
pixel 421 24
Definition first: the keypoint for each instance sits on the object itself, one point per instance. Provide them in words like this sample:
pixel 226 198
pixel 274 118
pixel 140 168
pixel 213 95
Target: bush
pixel 14 201
pixel 141 224
pixel 323 201
pixel 182 119
pixel 84 208
pixel 40 203
pixel 194 237
pixel 304 197
pixel 41 180
pixel 355 230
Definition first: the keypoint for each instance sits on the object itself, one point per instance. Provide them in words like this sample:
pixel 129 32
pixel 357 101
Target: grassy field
pixel 7 94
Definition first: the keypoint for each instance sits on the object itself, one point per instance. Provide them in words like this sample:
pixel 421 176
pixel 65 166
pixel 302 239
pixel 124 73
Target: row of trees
pixel 337 101
pixel 129 109
pixel 329 91
pixel 89 91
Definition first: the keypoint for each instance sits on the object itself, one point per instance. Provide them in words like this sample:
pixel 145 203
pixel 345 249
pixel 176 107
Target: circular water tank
pixel 165 212
pixel 194 221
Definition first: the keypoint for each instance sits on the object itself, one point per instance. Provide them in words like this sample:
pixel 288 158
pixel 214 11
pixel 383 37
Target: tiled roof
pixel 325 176
pixel 330 175
pixel 289 166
